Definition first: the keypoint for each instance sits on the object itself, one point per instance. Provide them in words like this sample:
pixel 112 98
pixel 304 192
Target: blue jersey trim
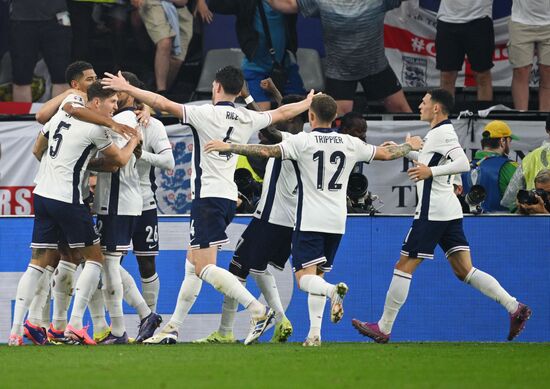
pixel 76 173
pixel 114 193
pixel 197 161
pixel 299 206
pixel 271 191
pixel 425 207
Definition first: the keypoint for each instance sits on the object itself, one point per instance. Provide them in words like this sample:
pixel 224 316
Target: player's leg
pixel 461 264
pixel 150 282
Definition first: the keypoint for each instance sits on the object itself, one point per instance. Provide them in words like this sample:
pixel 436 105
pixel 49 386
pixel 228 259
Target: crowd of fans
pixel 161 31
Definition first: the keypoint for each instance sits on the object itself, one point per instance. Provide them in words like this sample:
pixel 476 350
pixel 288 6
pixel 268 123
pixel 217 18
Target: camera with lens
pixel 249 190
pixel 528 197
pixel 471 202
pixel 360 200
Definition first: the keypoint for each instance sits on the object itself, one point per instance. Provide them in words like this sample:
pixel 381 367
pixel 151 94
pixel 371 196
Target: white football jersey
pixel 71 143
pixel 155 140
pixel 213 172
pixel 277 203
pixel 436 198
pixel 74 99
pixel 324 160
pixel 119 193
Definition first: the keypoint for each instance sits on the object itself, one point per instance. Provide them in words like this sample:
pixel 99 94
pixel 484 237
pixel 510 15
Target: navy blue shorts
pixel 56 220
pixel 314 248
pixel 261 243
pixel 424 235
pixel 146 234
pixel 116 231
pixel 210 216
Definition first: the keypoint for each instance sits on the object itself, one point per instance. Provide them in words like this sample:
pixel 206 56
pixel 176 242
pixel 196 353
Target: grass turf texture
pixel 334 365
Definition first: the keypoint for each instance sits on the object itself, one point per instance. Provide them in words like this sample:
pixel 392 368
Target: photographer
pixel 536 201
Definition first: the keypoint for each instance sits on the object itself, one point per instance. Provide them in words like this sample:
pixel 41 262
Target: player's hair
pixel 293 98
pixel 231 79
pixel 349 120
pixel 76 70
pixel 96 90
pixel 443 98
pixel 133 80
pixel 324 107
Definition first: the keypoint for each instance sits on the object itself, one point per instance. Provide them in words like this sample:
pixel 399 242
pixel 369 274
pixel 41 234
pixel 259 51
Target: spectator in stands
pixel 353 33
pixel 542 196
pixel 256 43
pixel 532 164
pixel 170 26
pixel 491 167
pixel 39 27
pixel 529 31
pixel 465 28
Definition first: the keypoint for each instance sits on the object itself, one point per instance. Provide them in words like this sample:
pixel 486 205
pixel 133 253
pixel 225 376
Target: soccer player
pixel 60 211
pixel 118 203
pixel 267 239
pixel 323 160
pixel 214 192
pixel 438 220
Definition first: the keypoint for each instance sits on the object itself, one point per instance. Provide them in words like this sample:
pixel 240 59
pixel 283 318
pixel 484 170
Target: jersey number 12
pixel 338 158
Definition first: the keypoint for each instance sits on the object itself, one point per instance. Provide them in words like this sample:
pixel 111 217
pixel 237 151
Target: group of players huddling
pixel 302 211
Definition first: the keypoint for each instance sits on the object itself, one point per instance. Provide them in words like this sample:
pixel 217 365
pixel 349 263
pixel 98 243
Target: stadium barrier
pixel 514 249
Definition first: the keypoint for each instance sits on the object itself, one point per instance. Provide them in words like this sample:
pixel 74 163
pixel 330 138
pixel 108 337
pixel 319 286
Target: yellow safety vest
pixel 534 162
pixel 242 163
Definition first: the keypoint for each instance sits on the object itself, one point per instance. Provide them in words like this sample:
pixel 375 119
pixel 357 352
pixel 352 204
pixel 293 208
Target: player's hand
pixel 118 83
pixel 416 142
pixel 203 11
pixel 124 130
pixel 216 145
pixel 419 172
pixel 143 116
pixel 268 85
pixel 311 95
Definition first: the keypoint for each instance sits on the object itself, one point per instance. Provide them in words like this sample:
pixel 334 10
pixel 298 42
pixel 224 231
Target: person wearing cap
pixel 491 167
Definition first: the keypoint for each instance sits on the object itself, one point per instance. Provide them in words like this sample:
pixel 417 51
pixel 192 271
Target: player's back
pixel 324 161
pixel 213 172
pixel 71 143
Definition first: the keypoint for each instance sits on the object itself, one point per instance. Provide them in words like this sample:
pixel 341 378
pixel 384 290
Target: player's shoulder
pixel 72 98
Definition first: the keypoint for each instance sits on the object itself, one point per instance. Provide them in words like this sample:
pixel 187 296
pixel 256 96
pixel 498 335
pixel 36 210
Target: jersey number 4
pixel 227 154
pixel 337 158
pixel 57 139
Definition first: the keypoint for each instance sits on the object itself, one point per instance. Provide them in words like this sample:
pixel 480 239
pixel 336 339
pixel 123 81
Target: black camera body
pixel 528 197
pixel 359 198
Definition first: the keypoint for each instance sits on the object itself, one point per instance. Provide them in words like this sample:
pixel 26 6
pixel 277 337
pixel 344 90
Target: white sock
pixel 229 309
pixel 395 298
pixel 114 292
pixel 316 285
pixel 189 291
pixel 316 306
pixel 62 292
pixel 268 287
pixel 490 287
pixel 84 288
pixel 229 285
pixel 150 290
pixel 40 300
pixel 23 298
pixel 132 296
pixel 96 306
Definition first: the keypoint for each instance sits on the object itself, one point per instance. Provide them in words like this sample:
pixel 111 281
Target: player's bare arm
pixel 392 151
pixel 154 100
pixel 101 165
pixel 50 107
pixel 271 133
pixel 87 115
pixel 261 151
pixel 288 111
pixel 269 86
pixel 120 157
pixel 40 145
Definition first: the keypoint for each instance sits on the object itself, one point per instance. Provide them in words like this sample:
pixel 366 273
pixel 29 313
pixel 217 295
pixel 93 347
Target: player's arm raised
pixel 87 115
pixel 261 151
pixel 50 107
pixel 289 111
pixel 154 100
pixel 388 152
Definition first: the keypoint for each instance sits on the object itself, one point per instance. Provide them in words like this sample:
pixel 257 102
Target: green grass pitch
pixel 334 365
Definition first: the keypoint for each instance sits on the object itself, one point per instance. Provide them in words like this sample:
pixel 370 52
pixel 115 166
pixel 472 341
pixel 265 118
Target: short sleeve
pixel 46 130
pixel 74 99
pixel 260 119
pixel 189 114
pixel 101 138
pixel 309 7
pixel 446 143
pixel 293 146
pixel 363 151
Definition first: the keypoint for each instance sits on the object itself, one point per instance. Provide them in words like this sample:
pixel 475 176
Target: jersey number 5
pixel 58 139
pixel 337 157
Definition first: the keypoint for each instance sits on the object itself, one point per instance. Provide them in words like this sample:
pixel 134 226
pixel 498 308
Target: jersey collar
pixel 124 110
pixel 226 103
pixel 324 130
pixel 446 121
